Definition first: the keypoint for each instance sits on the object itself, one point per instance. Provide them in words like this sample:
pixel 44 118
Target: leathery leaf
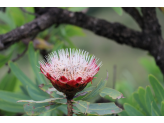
pixel 111 93
pixel 96 108
pixel 39 108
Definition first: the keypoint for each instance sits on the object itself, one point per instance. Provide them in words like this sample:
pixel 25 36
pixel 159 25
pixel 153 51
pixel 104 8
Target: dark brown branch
pixel 135 14
pixel 150 20
pixel 37 9
pixel 153 30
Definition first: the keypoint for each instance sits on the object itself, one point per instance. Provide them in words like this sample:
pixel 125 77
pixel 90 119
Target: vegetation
pixel 34 32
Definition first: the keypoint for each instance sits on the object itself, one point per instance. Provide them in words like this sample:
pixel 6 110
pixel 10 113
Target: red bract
pixel 70 70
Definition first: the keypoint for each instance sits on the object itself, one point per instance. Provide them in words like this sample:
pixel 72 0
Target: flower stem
pixel 69 107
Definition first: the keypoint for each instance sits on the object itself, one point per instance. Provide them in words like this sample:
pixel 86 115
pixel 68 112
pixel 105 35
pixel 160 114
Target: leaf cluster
pixel 147 102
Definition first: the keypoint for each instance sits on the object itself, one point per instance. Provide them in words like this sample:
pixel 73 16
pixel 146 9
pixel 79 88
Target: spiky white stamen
pixel 71 64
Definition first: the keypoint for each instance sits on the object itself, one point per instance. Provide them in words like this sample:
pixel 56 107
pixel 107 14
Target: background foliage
pixel 20 80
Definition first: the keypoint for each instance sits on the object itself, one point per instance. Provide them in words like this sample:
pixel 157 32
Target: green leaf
pixel 61 101
pixel 46 113
pixel 5 18
pixel 143 107
pixel 87 89
pixel 58 45
pixel 64 35
pixel 62 108
pixel 7 106
pixel 151 67
pixel 49 89
pixel 21 76
pixel 151 101
pixel 24 90
pixel 33 90
pixel 4 59
pixel 111 93
pixel 162 108
pixel 71 31
pixel 157 87
pixel 4 29
pixel 142 98
pixel 7 113
pixel 77 9
pixel 29 17
pixel 12 97
pixel 100 86
pixel 118 10
pixel 98 108
pixel 8 82
pixel 82 93
pixel 123 113
pixel 89 84
pixel 39 108
pixel 33 61
pixel 71 44
pixel 141 93
pixel 104 108
pixel 17 15
pixel 132 111
pixel 37 94
pixel 154 113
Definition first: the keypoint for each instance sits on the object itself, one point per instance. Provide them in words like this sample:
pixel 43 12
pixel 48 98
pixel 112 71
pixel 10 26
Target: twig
pixel 114 76
pixel 25 11
pixel 18 57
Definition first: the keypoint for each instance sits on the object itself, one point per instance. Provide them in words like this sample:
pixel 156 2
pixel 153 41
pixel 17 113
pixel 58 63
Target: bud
pixel 70 70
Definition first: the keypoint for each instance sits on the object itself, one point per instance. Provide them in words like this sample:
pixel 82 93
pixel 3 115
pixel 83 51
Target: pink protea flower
pixel 70 70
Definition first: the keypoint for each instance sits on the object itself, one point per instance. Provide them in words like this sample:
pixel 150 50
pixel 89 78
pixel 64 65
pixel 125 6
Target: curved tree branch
pixel 135 14
pixel 149 39
pixel 150 20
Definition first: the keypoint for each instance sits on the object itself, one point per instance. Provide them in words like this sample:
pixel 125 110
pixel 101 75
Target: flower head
pixel 70 70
